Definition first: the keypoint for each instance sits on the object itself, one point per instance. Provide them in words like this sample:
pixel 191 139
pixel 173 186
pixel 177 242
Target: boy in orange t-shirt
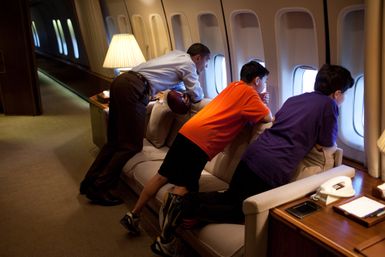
pixel 216 125
pixel 199 140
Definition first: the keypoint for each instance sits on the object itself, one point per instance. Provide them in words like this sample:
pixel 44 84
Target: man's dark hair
pixel 251 70
pixel 198 48
pixel 331 78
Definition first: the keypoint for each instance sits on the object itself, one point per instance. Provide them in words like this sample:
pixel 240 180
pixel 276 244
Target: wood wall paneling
pixel 20 94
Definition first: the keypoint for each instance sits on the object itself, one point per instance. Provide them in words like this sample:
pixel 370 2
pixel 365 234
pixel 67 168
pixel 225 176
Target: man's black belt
pixel 141 77
pixel 147 88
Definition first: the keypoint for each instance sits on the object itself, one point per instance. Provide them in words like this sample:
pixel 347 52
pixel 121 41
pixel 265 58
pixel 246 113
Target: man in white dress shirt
pixel 129 95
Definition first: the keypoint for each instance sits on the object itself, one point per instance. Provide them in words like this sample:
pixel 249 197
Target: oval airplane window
pixel 61 34
pixel 73 39
pixel 304 78
pixel 260 62
pixel 36 38
pixel 220 72
pixel 58 38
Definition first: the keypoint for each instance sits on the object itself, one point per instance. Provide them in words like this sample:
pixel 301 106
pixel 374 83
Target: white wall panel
pixel 202 22
pixel 149 26
pixel 281 59
pixel 346 33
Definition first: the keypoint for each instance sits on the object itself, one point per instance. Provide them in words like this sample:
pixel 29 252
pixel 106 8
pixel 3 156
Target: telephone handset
pixel 334 188
pixel 340 186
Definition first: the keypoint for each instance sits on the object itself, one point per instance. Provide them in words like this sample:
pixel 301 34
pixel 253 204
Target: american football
pixel 176 102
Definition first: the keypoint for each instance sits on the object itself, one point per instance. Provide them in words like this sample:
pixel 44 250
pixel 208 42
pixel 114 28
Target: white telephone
pixel 334 188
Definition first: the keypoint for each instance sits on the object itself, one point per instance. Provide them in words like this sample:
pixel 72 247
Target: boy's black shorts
pixel 184 163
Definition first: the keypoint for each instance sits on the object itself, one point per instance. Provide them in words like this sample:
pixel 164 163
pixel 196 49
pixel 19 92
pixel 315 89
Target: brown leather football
pixel 176 103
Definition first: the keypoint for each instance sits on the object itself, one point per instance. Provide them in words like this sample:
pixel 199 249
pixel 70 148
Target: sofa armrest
pixel 338 157
pixel 256 208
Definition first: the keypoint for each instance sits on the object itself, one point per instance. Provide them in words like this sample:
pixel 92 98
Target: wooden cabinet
pixel 19 90
pixel 99 120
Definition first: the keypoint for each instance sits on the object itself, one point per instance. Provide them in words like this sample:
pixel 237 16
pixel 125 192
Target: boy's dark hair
pixel 198 48
pixel 251 70
pixel 331 78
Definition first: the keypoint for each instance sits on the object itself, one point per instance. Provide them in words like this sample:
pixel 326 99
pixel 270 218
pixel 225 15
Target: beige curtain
pixel 374 85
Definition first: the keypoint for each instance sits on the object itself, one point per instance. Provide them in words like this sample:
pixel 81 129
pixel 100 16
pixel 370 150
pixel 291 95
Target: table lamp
pixel 123 53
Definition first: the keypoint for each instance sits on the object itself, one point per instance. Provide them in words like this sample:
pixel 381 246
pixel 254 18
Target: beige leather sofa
pixel 221 239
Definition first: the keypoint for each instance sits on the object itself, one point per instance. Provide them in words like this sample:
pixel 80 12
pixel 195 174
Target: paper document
pixel 362 207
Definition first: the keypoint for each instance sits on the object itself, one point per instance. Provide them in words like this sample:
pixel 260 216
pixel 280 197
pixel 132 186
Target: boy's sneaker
pixel 164 208
pixel 131 222
pixel 164 249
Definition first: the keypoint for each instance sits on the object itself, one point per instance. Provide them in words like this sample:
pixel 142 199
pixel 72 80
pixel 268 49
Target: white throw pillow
pixel 315 161
pixel 159 124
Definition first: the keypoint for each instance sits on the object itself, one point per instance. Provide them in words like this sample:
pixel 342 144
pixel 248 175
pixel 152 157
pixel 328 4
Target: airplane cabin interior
pixel 71 43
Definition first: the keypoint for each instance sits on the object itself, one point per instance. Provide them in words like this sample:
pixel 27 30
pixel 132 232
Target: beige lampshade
pixel 123 52
pixel 381 142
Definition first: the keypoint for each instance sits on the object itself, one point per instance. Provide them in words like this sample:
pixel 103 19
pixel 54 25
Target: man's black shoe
pixel 103 198
pixel 107 202
pixel 84 187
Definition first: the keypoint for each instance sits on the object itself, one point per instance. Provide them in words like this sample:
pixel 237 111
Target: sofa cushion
pixel 224 163
pixel 222 240
pixel 148 153
pixel 177 123
pixel 159 124
pixel 139 170
pixel 179 120
pixel 144 170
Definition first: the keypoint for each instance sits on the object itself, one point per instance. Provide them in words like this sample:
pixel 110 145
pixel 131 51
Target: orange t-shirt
pixel 213 127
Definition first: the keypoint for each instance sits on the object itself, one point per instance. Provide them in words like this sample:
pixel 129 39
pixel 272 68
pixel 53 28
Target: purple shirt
pixel 302 122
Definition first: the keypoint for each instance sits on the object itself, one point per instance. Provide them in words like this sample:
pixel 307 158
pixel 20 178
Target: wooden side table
pixel 324 233
pixel 99 120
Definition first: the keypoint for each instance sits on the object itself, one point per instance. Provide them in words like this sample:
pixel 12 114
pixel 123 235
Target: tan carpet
pixel 42 160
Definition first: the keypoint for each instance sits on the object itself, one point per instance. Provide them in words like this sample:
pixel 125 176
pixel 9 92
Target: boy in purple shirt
pixel 304 121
